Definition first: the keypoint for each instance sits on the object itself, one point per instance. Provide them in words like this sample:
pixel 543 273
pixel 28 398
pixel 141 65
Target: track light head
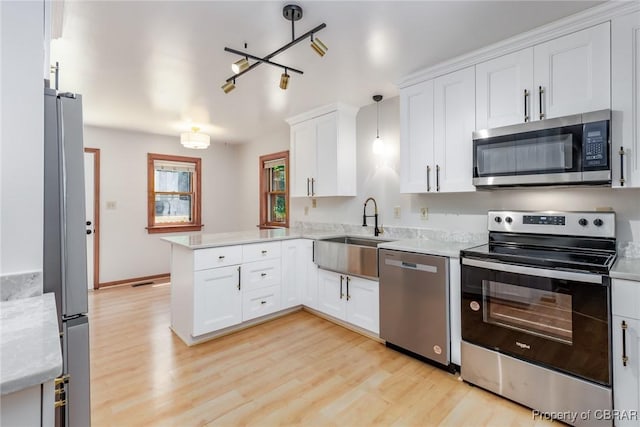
pixel 284 81
pixel 229 86
pixel 319 47
pixel 240 65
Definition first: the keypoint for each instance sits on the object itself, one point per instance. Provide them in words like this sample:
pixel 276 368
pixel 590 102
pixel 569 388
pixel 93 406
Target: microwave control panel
pixel 595 145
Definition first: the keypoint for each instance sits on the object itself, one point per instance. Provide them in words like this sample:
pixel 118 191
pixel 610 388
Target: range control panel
pixel 590 224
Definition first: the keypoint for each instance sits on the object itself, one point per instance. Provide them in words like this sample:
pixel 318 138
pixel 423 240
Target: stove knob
pixel 583 222
pixel 508 220
pixel 497 219
pixel 597 222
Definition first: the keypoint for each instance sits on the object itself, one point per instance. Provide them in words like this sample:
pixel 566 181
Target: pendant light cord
pixel 377 119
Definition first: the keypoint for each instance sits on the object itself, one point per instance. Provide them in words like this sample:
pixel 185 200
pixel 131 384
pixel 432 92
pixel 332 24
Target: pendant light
pixel 195 139
pixel 378 144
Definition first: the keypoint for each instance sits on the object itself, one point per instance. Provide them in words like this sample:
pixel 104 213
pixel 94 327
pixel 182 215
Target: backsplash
pixel 392 232
pixel 21 285
pixel 629 249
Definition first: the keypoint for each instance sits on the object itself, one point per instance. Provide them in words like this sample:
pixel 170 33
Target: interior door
pixel 89 198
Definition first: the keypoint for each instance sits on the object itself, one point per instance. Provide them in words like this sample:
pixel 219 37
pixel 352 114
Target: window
pixel 173 187
pixel 274 190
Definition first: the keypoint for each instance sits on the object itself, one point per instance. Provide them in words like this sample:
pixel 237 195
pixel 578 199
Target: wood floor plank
pixel 298 370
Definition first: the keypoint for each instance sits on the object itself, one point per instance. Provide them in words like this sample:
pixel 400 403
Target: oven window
pixel 534 311
pixel 551 153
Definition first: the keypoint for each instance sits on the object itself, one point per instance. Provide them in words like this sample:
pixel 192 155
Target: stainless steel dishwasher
pixel 414 303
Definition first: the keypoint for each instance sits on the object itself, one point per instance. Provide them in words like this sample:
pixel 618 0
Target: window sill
pixel 173 228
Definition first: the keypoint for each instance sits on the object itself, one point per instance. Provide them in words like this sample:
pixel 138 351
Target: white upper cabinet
pixel 454 122
pixel 416 138
pixel 574 73
pixel 437 118
pixel 625 100
pixel 323 149
pixel 504 88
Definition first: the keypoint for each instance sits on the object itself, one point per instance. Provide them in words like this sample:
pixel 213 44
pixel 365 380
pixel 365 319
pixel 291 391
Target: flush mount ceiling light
pixel 194 139
pixel 378 144
pixel 293 13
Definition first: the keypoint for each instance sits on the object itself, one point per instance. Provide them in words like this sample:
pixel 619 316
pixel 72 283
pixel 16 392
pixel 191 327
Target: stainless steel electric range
pixel 536 318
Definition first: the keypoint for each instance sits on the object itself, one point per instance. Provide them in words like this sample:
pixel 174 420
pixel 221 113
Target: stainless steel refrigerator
pixel 65 252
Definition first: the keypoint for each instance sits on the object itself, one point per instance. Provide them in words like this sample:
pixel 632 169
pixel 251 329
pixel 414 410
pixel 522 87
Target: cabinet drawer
pixel 216 257
pixel 260 274
pixel 260 251
pixel 625 295
pixel 260 302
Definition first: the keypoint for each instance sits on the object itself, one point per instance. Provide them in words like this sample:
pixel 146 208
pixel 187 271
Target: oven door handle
pixel 534 271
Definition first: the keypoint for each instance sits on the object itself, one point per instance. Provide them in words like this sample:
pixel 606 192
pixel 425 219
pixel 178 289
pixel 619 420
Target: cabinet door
pixel 332 294
pixel 626 380
pixel 363 303
pixel 308 274
pixel 303 154
pixel 454 115
pixel 217 299
pixel 325 179
pixel 416 139
pixel 504 90
pixel 625 99
pixel 292 276
pixel 574 73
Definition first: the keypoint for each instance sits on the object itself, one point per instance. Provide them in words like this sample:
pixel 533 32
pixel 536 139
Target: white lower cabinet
pixel 626 351
pixel 352 299
pixel 292 275
pixel 30 407
pixel 217 299
pixel 307 273
pixel 260 302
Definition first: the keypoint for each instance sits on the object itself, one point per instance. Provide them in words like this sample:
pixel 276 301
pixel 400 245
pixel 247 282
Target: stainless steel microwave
pixel 571 150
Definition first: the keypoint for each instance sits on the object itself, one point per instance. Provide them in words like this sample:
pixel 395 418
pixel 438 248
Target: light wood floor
pixel 296 370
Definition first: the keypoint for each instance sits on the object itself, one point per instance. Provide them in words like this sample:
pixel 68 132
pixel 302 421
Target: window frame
pixel 264 193
pixel 196 223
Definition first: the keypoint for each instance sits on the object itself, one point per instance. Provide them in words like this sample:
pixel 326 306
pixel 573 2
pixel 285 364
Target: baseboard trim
pixel 344 324
pixel 134 280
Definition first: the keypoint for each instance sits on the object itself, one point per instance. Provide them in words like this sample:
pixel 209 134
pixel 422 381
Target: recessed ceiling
pixel 158 66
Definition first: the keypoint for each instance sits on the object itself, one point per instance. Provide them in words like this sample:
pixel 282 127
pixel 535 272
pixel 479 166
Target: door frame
pixel 96 215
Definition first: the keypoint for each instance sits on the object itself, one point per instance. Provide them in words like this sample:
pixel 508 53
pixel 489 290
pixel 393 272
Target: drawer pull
pixel 263 302
pixel 264 252
pixel 221 257
pixel 263 274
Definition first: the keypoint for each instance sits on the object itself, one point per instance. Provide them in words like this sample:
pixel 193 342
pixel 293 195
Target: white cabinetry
pixel 574 73
pixel 436 121
pixel 352 299
pixel 504 88
pixel 30 407
pixel 570 74
pixel 323 149
pixel 626 343
pixel 292 274
pixel 307 274
pixel 625 99
pixel 217 299
pixel 455 325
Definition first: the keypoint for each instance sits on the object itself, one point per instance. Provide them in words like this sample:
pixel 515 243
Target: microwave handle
pixel 540 92
pixel 533 271
pixel 526 112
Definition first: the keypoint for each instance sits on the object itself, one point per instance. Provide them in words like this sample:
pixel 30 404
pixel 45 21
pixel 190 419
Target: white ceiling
pixel 158 66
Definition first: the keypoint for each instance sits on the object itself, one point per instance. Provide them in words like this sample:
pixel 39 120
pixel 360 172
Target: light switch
pixel 396 212
pixel 424 214
pixel 112 205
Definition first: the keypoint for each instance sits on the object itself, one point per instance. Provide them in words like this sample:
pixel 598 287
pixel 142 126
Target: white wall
pixel 457 211
pixel 249 183
pixel 22 130
pixel 126 249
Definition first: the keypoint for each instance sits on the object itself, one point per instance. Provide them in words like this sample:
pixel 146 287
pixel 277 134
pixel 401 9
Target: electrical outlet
pixel 396 212
pixel 314 203
pixel 306 210
pixel 111 205
pixel 424 214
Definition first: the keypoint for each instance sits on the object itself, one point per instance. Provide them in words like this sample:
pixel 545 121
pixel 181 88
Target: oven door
pixel 547 156
pixel 553 318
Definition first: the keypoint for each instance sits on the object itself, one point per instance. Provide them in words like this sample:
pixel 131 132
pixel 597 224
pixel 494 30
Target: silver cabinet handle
pixel 540 92
pixel 313 190
pixel 348 296
pixel 428 178
pixel 437 177
pixel 341 293
pixel 239 280
pixel 308 192
pixel 526 113
pixel 621 153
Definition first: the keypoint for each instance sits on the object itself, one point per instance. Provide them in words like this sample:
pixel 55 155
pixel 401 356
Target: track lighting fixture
pixel 291 12
pixel 229 86
pixel 284 80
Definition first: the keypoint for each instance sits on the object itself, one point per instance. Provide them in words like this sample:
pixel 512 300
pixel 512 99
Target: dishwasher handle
pixel 411 265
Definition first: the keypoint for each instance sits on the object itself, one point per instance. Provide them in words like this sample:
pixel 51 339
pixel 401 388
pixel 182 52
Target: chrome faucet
pixel 376 230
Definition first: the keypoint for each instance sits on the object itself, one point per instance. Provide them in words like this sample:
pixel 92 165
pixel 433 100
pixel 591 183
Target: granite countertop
pixel 430 247
pixel 626 268
pixel 29 343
